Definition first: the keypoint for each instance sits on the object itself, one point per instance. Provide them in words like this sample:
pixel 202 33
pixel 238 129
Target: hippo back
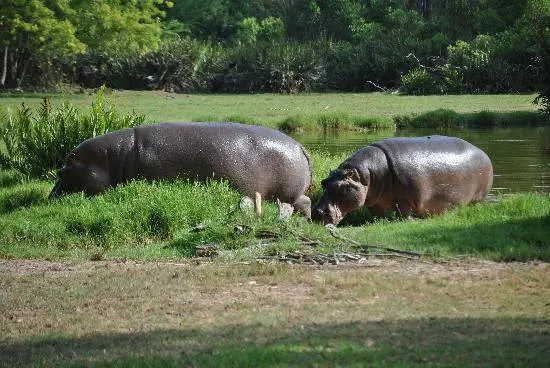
pixel 439 163
pixel 251 158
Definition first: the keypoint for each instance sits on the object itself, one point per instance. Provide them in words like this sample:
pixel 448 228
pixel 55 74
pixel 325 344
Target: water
pixel 520 156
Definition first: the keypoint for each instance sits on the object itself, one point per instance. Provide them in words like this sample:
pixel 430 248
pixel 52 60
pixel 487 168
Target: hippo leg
pixel 303 205
pixel 285 210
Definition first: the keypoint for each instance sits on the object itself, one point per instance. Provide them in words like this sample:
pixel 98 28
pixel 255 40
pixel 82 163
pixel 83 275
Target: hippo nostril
pixel 317 214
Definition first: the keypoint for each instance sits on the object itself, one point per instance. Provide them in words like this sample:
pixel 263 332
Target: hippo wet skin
pixel 252 159
pixel 413 176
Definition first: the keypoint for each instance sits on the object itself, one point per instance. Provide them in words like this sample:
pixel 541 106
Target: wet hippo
pixel 252 159
pixel 415 176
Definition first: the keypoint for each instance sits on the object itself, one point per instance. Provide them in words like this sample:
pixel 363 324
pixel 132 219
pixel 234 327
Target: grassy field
pixel 171 220
pixel 174 274
pixel 271 109
pixel 383 313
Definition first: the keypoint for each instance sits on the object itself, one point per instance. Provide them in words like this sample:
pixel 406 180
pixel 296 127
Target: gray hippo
pixel 254 160
pixel 415 176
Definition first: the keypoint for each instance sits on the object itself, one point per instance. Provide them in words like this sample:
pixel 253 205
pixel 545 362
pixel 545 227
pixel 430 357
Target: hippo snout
pixel 56 191
pixel 327 214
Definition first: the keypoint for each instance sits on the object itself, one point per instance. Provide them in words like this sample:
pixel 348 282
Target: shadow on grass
pixel 523 239
pixel 507 240
pixel 422 342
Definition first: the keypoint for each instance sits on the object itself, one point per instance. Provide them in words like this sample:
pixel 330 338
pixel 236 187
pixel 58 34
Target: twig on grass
pixel 332 230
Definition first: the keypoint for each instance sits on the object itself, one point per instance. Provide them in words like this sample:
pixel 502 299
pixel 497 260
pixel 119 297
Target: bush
pixel 440 118
pixel 281 67
pixel 543 100
pixel 418 81
pixel 37 143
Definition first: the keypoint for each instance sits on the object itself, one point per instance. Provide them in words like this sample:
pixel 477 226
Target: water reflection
pixel 521 156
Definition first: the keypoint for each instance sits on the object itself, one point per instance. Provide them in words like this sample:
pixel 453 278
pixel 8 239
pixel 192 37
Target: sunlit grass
pixel 168 220
pixel 273 109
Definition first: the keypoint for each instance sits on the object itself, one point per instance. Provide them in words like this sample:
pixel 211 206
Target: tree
pixel 42 36
pixel 535 23
pixel 32 36
pixel 119 26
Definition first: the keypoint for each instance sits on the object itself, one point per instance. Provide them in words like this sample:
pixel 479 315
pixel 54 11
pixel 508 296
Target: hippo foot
pixel 285 210
pixel 247 204
pixel 303 206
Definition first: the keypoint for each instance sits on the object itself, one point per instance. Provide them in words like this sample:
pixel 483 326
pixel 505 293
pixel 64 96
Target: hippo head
pixel 75 176
pixel 343 193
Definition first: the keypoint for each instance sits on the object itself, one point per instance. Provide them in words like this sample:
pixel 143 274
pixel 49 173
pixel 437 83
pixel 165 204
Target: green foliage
pixel 181 65
pixel 41 40
pixel 472 61
pixel 34 38
pixel 267 30
pixel 535 23
pixel 118 27
pixel 284 67
pixel 418 81
pixel 440 118
pixel 446 118
pixel 37 142
pixel 333 122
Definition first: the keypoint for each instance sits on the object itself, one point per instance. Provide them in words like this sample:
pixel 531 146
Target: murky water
pixel 521 156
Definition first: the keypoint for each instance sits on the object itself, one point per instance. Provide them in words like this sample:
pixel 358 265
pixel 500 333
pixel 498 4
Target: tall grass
pixel 333 122
pixel 37 142
pixel 447 118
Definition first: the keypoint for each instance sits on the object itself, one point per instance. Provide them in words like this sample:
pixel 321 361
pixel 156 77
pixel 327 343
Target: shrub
pixel 292 124
pixel 418 81
pixel 282 67
pixel 543 100
pixel 38 142
pixel 440 118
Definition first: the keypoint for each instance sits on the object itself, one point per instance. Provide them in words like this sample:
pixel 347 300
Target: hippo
pixel 253 159
pixel 416 176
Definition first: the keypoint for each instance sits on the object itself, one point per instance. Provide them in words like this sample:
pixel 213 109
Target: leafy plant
pixel 418 81
pixel 37 142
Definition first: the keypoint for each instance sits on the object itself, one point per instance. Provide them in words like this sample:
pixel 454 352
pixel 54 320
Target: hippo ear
pixel 352 174
pixel 71 158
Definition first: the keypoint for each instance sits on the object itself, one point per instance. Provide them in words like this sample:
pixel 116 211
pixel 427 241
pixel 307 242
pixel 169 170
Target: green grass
pixel 513 228
pixel 159 220
pixel 364 110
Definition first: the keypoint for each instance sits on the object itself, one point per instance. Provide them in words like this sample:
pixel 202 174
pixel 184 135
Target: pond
pixel 521 156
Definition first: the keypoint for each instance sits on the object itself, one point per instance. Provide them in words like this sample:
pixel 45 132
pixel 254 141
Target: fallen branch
pixel 383 89
pixel 332 230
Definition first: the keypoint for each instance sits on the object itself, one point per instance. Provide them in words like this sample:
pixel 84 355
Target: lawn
pixel 269 109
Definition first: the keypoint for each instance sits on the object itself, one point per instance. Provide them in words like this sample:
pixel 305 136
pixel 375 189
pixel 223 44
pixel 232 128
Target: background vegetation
pixel 419 47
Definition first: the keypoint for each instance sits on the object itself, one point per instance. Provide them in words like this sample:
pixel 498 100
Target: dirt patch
pixel 112 311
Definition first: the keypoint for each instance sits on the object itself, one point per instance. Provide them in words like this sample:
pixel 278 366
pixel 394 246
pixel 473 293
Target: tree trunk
pixel 4 68
pixel 20 80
